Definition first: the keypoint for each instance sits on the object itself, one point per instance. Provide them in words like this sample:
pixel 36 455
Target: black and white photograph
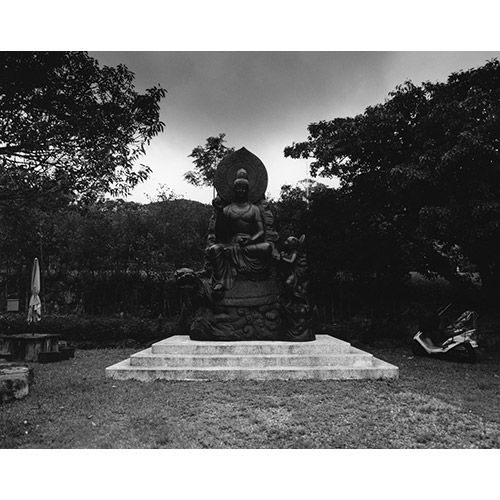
pixel 247 249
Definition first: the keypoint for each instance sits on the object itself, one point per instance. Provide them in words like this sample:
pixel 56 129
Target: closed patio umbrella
pixel 35 305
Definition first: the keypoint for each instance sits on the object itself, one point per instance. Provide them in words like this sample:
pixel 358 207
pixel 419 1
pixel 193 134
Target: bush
pixel 87 332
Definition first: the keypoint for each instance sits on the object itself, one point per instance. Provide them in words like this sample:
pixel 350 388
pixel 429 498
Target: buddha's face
pixel 240 189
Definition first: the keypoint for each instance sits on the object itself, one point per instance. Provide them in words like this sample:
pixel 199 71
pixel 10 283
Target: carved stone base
pixel 237 323
pixel 256 308
pixel 268 322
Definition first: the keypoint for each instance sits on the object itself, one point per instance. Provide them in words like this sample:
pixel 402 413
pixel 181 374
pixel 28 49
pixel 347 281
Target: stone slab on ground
pixel 180 358
pixel 14 381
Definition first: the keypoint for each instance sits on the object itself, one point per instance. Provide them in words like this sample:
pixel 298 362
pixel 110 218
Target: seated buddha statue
pixel 239 244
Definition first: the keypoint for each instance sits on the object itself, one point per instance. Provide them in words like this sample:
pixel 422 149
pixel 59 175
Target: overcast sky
pixel 264 101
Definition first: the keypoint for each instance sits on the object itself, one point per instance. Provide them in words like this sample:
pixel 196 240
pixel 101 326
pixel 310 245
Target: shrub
pixel 93 331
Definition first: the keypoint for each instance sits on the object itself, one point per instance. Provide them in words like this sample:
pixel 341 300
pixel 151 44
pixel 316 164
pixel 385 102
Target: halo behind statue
pixel 228 168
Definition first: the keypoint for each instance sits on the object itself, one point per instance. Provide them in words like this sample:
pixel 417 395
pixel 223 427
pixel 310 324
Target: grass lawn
pixel 434 404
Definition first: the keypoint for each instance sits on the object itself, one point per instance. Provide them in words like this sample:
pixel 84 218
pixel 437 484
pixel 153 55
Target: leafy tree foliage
pixel 424 167
pixel 206 159
pixel 69 126
pixel 124 236
pixel 164 193
pixel 111 242
pixel 291 208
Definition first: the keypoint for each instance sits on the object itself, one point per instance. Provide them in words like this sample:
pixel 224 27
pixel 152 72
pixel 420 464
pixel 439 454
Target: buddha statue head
pixel 241 186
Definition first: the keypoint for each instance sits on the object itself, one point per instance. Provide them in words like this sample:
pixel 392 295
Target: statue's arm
pixel 259 235
pixel 289 260
pixel 216 226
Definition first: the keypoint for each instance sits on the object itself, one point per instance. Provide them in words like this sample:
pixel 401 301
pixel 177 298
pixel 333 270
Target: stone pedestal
pixel 180 358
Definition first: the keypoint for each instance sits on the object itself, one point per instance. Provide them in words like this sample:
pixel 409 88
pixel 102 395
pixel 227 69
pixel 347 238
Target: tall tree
pixel 69 126
pixel 291 209
pixel 427 164
pixel 206 159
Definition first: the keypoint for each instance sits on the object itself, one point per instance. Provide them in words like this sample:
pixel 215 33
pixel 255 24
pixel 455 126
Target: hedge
pixel 87 332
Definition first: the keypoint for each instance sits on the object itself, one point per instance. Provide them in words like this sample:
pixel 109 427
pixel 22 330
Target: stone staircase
pixel 179 358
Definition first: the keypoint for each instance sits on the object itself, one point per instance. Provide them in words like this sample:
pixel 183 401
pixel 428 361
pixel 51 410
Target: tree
pixel 105 252
pixel 164 193
pixel 206 159
pixel 69 126
pixel 427 164
pixel 291 209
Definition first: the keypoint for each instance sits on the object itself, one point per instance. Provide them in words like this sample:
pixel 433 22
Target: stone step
pixel 184 345
pixel 147 358
pixel 179 358
pixel 124 371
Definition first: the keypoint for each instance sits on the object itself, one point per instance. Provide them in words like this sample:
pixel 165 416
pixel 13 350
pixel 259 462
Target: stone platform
pixel 179 358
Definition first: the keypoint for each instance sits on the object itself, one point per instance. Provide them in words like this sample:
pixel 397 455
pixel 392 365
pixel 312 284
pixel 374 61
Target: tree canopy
pixel 101 253
pixel 69 126
pixel 291 208
pixel 206 159
pixel 425 165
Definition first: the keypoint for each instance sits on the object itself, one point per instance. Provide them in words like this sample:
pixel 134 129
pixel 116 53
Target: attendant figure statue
pixel 239 235
pixel 294 257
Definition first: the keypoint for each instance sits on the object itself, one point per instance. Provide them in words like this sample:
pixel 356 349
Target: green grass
pixel 434 404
